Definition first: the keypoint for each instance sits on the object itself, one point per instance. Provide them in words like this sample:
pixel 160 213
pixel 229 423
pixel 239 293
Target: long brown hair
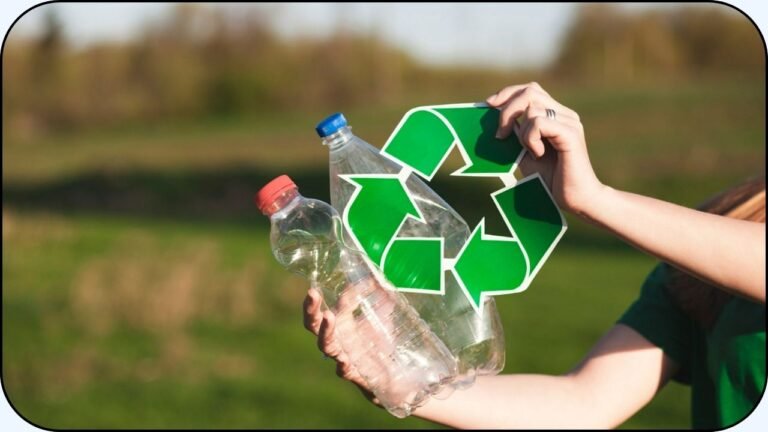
pixel 701 301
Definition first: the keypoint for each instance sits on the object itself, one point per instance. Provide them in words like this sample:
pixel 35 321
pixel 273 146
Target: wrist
pixel 432 411
pixel 594 203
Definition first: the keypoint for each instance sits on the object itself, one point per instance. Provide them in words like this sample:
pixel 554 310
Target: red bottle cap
pixel 272 190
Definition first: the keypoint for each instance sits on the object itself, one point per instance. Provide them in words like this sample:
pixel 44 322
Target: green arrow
pixel 376 210
pixel 425 136
pixel 415 264
pixel 533 217
pixel 490 264
pixel 421 140
pixel 487 264
pixel 475 128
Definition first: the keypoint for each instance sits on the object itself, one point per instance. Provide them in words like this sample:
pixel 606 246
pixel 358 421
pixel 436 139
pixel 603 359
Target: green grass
pixel 67 368
pixel 139 289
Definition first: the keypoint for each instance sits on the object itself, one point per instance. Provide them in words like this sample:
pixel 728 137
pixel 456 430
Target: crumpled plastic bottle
pixel 477 340
pixel 401 360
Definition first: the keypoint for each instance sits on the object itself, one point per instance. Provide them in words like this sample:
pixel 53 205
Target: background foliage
pixel 138 286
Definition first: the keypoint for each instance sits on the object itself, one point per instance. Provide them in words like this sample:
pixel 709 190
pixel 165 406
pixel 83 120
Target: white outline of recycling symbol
pixel 484 243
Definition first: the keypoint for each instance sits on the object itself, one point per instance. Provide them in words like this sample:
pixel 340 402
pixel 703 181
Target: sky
pixel 484 34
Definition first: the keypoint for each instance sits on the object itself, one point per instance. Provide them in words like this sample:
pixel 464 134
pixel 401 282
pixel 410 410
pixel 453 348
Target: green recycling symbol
pixel 487 264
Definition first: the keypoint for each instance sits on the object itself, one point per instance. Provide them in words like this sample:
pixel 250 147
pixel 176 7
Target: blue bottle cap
pixel 331 125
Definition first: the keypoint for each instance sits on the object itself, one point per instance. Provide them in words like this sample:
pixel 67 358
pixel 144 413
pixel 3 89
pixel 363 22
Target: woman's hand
pixel 322 324
pixel 722 251
pixel 556 147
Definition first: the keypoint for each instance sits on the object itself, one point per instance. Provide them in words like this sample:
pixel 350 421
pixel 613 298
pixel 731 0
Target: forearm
pixel 727 252
pixel 516 401
pixel 619 375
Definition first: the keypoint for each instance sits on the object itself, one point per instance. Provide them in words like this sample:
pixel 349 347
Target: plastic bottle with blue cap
pixel 477 340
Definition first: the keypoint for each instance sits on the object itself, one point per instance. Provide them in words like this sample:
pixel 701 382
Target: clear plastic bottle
pixel 391 347
pixel 476 340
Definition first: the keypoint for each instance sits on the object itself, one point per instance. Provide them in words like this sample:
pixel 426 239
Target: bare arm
pixel 621 374
pixel 729 253
pixel 725 252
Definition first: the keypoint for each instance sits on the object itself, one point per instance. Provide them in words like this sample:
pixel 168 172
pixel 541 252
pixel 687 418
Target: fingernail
pixel 498 135
pixel 490 98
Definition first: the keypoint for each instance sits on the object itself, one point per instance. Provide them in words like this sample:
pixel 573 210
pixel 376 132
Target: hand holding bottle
pixel 394 352
pixel 323 325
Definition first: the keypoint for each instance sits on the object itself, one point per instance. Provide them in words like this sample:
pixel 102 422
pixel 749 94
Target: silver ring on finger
pixel 551 114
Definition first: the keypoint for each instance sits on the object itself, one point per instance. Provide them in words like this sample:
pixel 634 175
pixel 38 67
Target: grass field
pixel 139 289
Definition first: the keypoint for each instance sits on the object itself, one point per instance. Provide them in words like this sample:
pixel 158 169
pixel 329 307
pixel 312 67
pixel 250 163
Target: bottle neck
pixel 338 139
pixel 285 201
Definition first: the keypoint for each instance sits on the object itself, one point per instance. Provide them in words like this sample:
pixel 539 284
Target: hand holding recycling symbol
pixel 486 265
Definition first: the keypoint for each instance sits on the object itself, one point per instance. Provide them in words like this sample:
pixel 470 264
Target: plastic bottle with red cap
pixel 401 360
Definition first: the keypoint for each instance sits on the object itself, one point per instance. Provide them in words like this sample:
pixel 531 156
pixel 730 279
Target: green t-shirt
pixel 725 365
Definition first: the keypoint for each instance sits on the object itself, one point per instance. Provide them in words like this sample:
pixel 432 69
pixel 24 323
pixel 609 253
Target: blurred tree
pixel 585 45
pixel 607 44
pixel 47 73
pixel 51 42
pixel 227 60
pixel 715 40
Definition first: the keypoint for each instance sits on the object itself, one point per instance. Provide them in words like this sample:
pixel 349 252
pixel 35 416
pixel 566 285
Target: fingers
pixel 514 100
pixel 534 144
pixel 323 324
pixel 558 134
pixel 536 110
pixel 544 166
pixel 312 315
pixel 325 337
pixel 516 106
pixel 503 95
pixel 529 164
pixel 345 370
